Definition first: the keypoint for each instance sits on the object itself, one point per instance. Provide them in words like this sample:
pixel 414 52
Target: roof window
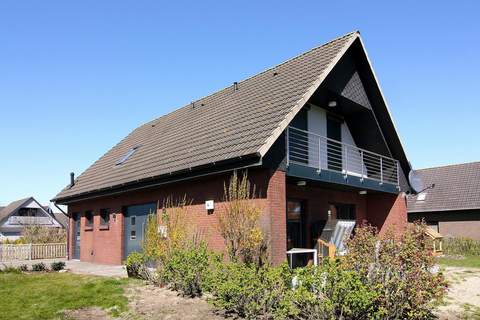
pixel 129 153
pixel 421 196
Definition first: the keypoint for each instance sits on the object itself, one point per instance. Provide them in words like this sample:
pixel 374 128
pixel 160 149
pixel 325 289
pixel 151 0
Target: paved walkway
pixel 74 266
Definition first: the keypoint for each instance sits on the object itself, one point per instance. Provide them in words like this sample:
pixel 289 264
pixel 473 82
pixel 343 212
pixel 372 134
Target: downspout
pixel 67 227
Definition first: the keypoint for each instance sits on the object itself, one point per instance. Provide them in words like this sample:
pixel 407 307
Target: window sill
pixel 88 229
pixel 104 227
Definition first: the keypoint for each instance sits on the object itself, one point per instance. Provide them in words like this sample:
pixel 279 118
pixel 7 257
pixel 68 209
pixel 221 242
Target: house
pixel 27 212
pixel 314 133
pixel 452 206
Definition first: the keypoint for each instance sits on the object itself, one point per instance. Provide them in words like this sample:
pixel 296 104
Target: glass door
pixel 294 224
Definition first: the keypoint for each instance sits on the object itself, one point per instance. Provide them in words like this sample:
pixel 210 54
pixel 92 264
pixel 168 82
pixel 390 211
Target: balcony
pixel 331 159
pixel 29 220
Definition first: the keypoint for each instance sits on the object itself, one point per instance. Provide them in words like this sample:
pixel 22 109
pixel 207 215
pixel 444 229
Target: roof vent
pixel 72 179
pixel 235 86
pixel 192 104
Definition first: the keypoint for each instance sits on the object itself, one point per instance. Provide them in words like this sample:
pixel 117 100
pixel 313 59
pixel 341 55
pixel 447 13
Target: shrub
pixel 328 292
pixel 57 265
pixel 134 264
pixel 239 223
pixel 398 268
pixel 39 267
pixel 249 291
pixel 41 234
pixel 186 269
pixel 461 246
pixel 23 268
pixel 9 269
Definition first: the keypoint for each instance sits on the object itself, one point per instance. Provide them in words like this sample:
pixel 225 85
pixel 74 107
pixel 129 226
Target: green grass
pixel 47 295
pixel 466 262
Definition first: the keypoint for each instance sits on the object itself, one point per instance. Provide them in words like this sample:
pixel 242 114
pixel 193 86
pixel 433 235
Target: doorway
pixel 76 236
pixel 135 219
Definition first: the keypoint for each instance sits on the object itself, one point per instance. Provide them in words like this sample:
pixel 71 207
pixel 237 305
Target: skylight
pixel 129 153
pixel 421 197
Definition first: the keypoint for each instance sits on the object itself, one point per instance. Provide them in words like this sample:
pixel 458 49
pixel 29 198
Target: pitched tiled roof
pixel 457 187
pixel 6 211
pixel 225 125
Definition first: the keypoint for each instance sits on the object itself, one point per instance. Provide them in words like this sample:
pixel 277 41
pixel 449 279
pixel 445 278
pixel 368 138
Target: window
pixel 132 220
pixel 27 212
pixel 133 235
pixel 129 153
pixel 88 219
pixel 421 196
pixel 104 218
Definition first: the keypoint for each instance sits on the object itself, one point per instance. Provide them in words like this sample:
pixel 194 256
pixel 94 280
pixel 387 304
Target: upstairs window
pixel 129 153
pixel 104 218
pixel 88 219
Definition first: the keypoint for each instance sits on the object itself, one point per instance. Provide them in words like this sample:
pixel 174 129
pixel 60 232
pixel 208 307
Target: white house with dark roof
pixel 26 212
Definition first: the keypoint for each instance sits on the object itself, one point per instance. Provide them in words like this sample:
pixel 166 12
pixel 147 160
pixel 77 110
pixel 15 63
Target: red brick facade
pixel 107 246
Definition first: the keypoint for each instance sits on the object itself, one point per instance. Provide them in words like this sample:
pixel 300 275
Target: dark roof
pixel 457 187
pixel 6 211
pixel 234 123
pixel 61 218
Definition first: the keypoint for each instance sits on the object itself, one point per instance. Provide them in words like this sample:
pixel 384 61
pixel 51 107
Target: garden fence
pixel 32 251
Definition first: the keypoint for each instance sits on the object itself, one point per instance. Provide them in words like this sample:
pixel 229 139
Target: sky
pixel 77 77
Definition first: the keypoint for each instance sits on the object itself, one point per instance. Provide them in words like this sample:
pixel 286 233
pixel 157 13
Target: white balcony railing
pixel 26 220
pixel 316 151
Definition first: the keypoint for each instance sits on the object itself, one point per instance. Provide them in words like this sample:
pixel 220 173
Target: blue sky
pixel 76 77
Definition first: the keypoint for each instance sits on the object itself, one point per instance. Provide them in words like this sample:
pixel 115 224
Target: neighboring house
pixel 27 212
pixel 314 132
pixel 452 207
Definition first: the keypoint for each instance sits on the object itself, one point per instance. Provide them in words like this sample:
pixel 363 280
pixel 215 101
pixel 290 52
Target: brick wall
pixel 458 229
pixel 106 246
pixel 387 211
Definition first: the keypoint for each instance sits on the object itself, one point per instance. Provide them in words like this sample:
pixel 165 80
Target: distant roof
pixel 6 211
pixel 237 122
pixel 457 187
pixel 61 218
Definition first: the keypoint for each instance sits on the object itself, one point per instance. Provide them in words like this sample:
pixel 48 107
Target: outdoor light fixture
pixel 301 183
pixel 362 192
pixel 332 104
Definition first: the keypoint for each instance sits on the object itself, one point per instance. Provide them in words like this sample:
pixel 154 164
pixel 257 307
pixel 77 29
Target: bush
pixel 39 267
pixel 398 268
pixel 461 246
pixel 57 265
pixel 328 292
pixel 41 234
pixel 186 269
pixel 248 291
pixel 239 224
pixel 23 268
pixel 10 269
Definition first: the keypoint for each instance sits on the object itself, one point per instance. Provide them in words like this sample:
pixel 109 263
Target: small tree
pixel 239 224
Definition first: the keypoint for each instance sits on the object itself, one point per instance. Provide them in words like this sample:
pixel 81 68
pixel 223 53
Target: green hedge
pixel 461 246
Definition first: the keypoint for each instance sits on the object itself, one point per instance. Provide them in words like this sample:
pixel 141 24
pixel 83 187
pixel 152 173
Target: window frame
pixel 89 222
pixel 104 223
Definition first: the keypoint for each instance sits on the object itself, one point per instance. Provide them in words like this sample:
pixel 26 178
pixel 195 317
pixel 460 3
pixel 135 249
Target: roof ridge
pixel 448 165
pixel 256 74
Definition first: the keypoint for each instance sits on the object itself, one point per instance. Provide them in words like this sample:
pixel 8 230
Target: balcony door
pixel 334 148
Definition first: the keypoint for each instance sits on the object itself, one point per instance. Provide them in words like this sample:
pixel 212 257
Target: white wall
pixel 317 124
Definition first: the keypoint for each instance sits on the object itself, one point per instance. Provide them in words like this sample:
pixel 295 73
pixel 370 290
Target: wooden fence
pixel 31 251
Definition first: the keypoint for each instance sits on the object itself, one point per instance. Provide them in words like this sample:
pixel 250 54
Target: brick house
pixel 452 206
pixel 314 133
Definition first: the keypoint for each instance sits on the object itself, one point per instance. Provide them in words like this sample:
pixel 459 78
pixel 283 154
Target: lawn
pixel 465 262
pixel 47 295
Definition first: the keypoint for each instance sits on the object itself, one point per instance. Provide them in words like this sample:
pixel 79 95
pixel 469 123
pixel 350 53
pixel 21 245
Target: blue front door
pixel 134 225
pixel 76 236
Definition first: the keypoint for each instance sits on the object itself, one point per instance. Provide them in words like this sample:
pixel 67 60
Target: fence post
pixel 30 251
